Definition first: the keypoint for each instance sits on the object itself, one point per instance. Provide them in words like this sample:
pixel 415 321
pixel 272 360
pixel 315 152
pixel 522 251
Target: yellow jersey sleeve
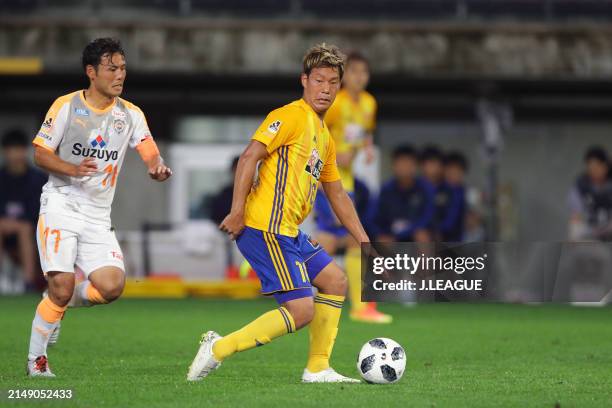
pixel 330 173
pixel 278 129
pixel 333 120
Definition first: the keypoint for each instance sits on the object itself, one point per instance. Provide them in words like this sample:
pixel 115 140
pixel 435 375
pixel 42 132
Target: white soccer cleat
pixel 326 376
pixel 54 335
pixel 204 362
pixel 39 367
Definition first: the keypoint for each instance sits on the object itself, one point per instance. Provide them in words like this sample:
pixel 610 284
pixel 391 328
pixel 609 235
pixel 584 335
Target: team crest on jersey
pixel 118 125
pixel 315 164
pixel 48 123
pixel 275 127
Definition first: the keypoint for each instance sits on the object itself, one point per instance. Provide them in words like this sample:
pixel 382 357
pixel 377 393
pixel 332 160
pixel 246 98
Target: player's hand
pixel 87 167
pixel 233 225
pixel 161 172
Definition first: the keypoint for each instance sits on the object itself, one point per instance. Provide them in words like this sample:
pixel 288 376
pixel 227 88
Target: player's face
pixel 357 76
pixel 405 168
pixel 454 174
pixel 432 169
pixel 320 88
pixel 597 170
pixel 15 156
pixel 110 75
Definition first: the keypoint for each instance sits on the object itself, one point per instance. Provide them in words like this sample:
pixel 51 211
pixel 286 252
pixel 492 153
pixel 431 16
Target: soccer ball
pixel 381 361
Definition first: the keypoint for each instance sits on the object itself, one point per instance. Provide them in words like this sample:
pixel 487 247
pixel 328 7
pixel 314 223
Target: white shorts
pixel 65 241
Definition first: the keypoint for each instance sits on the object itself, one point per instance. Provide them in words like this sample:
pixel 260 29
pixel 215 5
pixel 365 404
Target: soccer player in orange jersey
pixel 296 152
pixel 82 144
pixel 351 121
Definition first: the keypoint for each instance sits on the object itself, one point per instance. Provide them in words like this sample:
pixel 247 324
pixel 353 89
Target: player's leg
pixel 102 286
pixel 57 250
pixel 332 284
pixel 100 257
pixel 278 265
pixel 360 311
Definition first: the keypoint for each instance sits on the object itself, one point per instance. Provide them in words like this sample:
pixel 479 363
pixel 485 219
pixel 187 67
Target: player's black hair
pixel 356 56
pixel 404 151
pixel 431 152
pixel 456 158
pixel 95 50
pixel 15 137
pixel 596 153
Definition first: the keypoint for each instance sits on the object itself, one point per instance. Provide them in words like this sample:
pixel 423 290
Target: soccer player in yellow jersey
pixel 351 121
pixel 295 152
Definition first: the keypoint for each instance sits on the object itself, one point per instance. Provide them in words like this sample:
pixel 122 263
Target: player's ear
pixel 304 79
pixel 90 71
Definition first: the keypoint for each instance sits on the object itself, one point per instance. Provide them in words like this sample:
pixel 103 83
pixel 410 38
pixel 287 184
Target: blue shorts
pixel 325 218
pixel 284 265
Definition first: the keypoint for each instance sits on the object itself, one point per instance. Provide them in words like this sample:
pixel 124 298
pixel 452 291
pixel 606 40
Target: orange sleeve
pixel 148 150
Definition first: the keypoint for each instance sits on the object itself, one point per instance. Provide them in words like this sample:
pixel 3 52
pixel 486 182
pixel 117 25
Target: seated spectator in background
pixel 590 199
pixel 20 188
pixel 432 169
pixel 405 205
pixel 452 225
pixel 221 203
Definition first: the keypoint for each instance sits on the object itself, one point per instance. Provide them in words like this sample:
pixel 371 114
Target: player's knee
pixel 61 295
pixel 111 292
pixel 302 314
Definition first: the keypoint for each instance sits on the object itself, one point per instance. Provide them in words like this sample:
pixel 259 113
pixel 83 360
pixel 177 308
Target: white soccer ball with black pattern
pixel 381 361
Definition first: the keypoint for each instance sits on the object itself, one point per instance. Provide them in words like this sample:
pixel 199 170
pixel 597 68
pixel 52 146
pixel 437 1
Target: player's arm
pixel 50 162
pixel 149 153
pixel 233 224
pixel 344 209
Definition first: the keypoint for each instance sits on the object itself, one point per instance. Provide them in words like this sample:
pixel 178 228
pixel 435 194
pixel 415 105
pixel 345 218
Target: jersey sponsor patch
pixel 274 127
pixel 81 111
pixel 315 164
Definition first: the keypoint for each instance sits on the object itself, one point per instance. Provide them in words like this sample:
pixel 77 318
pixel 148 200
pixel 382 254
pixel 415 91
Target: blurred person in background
pixel 451 227
pixel 221 202
pixel 432 169
pixel 351 121
pixel 405 206
pixel 590 199
pixel 20 187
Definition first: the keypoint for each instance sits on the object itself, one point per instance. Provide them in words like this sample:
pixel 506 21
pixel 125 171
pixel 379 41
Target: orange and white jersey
pixel 74 130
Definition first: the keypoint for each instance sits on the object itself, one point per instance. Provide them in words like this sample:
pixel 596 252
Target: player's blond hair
pixel 323 55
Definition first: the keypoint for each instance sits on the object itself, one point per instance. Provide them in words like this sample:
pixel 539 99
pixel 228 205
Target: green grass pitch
pixel 135 353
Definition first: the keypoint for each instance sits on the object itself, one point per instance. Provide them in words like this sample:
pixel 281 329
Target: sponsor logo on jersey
pixel 315 164
pixel 48 123
pixel 102 154
pixel 81 111
pixel 117 114
pixel 44 136
pixel 98 141
pixel 275 127
pixel 118 125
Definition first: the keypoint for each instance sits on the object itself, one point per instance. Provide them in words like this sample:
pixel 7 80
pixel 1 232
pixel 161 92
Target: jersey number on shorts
pixel 302 269
pixel 111 171
pixel 57 239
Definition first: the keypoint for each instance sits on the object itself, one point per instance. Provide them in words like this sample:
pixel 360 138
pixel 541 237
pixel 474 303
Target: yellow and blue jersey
pixel 349 122
pixel 301 154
